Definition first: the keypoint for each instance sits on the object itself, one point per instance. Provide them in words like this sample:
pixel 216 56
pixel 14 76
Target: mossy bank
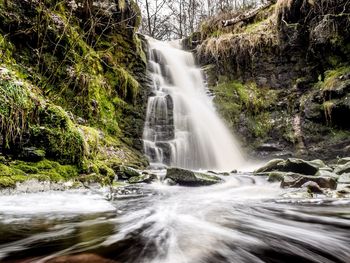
pixel 73 89
pixel 281 77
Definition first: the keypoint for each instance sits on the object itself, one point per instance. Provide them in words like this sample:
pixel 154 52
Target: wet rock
pixel 144 178
pixel 341 169
pixel 312 187
pixel 276 176
pixel 292 165
pixel 327 173
pixel 294 180
pixel 269 166
pixel 169 181
pixel 125 172
pixel 190 178
pixel 82 258
pixel 344 179
pixel 318 163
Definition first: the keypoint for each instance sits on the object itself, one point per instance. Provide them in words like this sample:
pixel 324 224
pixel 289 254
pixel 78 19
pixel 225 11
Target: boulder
pixel 293 165
pixel 293 180
pixel 344 179
pixel 269 166
pixel 190 178
pixel 341 169
pixel 143 178
pixel 125 172
pixel 327 173
pixel 312 187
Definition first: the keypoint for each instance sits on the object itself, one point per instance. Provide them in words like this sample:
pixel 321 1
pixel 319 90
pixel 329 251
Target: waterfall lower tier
pixel 182 128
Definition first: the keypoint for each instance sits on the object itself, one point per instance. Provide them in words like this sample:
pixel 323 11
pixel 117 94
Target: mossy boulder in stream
pixel 292 165
pixel 190 178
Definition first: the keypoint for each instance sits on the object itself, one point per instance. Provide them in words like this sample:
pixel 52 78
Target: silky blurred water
pixel 182 127
pixel 244 219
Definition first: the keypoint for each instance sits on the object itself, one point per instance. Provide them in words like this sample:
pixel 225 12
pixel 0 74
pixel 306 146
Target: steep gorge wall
pixel 281 79
pixel 73 87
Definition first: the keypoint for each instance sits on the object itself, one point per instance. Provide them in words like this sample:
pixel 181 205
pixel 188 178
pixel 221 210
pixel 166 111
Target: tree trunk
pixel 248 15
pixel 149 19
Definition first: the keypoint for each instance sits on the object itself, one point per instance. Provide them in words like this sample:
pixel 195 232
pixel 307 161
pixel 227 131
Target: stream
pixel 244 219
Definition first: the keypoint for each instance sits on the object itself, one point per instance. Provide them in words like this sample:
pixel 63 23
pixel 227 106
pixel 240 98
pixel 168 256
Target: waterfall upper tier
pixel 182 128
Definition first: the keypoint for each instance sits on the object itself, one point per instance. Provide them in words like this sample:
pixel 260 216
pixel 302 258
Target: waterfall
pixel 182 128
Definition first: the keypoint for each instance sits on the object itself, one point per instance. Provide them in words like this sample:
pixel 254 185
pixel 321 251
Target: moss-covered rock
pixel 72 91
pixel 190 178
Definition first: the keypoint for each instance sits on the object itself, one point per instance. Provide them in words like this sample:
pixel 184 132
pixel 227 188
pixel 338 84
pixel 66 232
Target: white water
pixel 182 127
pixel 244 219
pixel 68 202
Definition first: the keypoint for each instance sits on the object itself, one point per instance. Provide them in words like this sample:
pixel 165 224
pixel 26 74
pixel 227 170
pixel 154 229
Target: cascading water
pixel 182 128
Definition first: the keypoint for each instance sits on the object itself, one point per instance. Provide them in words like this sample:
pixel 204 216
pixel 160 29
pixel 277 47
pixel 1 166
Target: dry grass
pixel 246 43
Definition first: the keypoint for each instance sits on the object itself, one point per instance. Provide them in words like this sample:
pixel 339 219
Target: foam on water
pixel 68 202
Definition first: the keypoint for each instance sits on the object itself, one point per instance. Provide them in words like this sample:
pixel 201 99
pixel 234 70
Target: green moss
pixel 59 136
pixel 332 77
pixel 9 176
pixel 9 171
pixel 74 75
pixel 51 167
pixel 260 125
pixel 6 50
pixel 6 182
pixel 16 109
pixel 28 169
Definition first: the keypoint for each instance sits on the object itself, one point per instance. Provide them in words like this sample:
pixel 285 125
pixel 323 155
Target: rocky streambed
pixel 286 211
pixel 237 217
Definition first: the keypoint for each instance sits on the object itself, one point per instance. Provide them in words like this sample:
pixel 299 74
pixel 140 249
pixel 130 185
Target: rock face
pixel 84 103
pixel 282 85
pixel 190 178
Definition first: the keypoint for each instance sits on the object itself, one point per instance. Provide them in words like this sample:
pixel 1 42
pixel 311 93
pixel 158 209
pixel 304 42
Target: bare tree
pixel 171 19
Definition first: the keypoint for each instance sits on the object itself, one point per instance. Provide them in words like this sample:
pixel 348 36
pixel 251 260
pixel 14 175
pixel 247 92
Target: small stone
pixel 312 187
